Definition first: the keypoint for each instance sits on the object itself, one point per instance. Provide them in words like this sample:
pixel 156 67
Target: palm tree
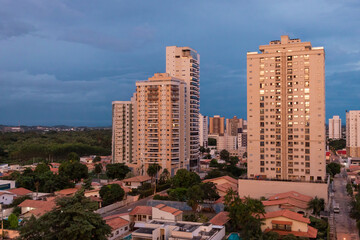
pixel 152 171
pixel 316 205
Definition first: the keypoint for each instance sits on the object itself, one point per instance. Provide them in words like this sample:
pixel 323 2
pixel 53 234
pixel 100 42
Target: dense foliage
pixel 54 146
pixel 337 144
pixel 316 205
pixel 111 193
pixel 333 168
pixel 74 218
pixel 117 171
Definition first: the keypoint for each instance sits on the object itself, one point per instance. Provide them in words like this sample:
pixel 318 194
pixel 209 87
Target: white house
pixel 6 197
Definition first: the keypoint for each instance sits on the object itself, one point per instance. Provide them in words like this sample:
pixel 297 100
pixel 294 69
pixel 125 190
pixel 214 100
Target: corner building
pixel 161 123
pixel 184 63
pixel 286 111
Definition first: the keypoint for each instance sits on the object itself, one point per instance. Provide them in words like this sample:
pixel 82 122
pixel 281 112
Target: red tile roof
pixel 168 209
pixel 354 168
pixel 19 191
pixel 291 194
pixel 67 191
pixel 115 216
pixel 287 214
pixel 220 219
pixel 141 210
pixel 311 233
pixel 137 179
pixel 116 223
pixel 228 178
pixel 287 201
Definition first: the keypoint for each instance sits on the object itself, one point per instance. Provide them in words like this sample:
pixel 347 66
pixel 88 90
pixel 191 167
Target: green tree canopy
pixel 337 144
pixel 195 195
pixel 74 170
pixel 316 205
pixel 210 191
pixel 96 159
pixel 225 155
pixel 117 171
pixel 74 218
pixel 153 170
pixel 333 168
pixel 213 163
pixel 13 220
pixel 184 178
pixel 111 193
pixel 41 168
pixel 73 157
pixel 245 215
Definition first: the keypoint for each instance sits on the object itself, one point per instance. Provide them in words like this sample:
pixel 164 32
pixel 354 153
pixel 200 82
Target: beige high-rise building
pixel 233 125
pixel 353 133
pixel 217 125
pixel 123 132
pixel 161 123
pixel 203 130
pixel 184 63
pixel 335 127
pixel 286 111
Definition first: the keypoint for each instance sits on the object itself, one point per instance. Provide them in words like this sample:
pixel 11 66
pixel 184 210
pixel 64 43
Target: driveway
pixel 344 225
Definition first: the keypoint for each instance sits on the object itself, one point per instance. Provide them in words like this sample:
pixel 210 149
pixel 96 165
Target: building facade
pixel 123 132
pixel 234 125
pixel 286 111
pixel 184 63
pixel 353 133
pixel 203 130
pixel 161 123
pixel 335 127
pixel 217 125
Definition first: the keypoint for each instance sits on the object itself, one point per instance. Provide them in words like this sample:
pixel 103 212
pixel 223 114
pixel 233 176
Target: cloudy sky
pixel 64 62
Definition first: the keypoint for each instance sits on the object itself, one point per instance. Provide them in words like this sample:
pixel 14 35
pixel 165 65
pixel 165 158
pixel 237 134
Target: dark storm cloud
pixel 64 61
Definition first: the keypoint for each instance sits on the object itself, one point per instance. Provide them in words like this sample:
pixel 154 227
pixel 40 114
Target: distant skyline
pixel 64 62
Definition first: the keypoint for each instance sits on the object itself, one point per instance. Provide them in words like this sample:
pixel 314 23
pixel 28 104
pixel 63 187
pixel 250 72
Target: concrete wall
pixel 113 206
pixel 218 207
pixel 263 188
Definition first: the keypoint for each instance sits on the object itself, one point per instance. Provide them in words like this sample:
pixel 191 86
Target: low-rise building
pixel 6 197
pixel 163 212
pixel 36 207
pixel 119 224
pixel 286 222
pixel 136 182
pixel 223 184
pixel 141 214
pixel 178 230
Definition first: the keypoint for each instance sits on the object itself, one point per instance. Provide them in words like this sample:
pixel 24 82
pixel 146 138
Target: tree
pixel 184 178
pixel 73 157
pixel 41 168
pixel 214 174
pixel 208 156
pixel 349 189
pixel 316 205
pixel 333 168
pixel 211 141
pixel 195 195
pixel 210 191
pixel 153 170
pixel 111 193
pixel 224 155
pixel 74 170
pixel 233 160
pixel 13 220
pixel 177 194
pixel 244 155
pixel 164 176
pixel 117 171
pixel 213 163
pixel 98 170
pixel 87 184
pixel 337 144
pixel 271 236
pixel 245 215
pixel 73 218
pixel 202 149
pixel 208 150
pixel 96 159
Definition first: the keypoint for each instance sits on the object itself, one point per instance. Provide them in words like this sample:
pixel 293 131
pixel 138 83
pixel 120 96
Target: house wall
pixel 263 188
pixel 296 225
pixel 159 214
pixel 6 199
pixel 118 232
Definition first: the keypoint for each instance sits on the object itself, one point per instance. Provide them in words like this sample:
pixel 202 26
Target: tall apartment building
pixel 203 130
pixel 183 63
pixel 217 125
pixel 286 111
pixel 234 125
pixel 353 133
pixel 335 127
pixel 123 132
pixel 161 123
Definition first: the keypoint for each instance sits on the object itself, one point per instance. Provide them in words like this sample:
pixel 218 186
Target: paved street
pixel 344 225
